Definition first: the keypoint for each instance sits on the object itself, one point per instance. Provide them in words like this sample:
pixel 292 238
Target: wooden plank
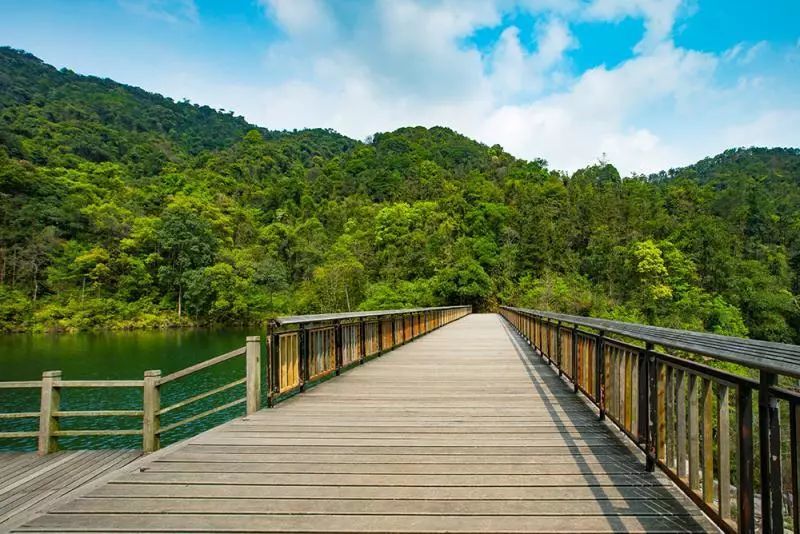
pixel 578 493
pixel 361 523
pixel 54 476
pixel 657 507
pixel 573 468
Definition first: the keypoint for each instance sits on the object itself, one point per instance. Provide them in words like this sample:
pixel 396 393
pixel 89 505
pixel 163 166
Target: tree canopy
pixel 124 209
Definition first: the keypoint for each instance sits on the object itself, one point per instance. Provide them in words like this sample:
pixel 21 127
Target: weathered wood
pixel 680 415
pixel 724 451
pixel 201 396
pixel 254 373
pixel 661 437
pixel 151 401
pixel 694 433
pixel 99 413
pixel 708 442
pixel 48 422
pixel 202 365
pixel 462 430
pixel 200 415
pixel 21 384
pixel 37 482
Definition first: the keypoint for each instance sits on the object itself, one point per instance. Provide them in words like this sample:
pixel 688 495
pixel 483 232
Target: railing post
pixel 253 381
pixel 274 366
pixel 303 347
pixel 48 421
pixel 337 339
pixel 642 402
pixel 268 370
pixel 651 401
pixel 769 438
pixel 547 341
pixel 600 376
pixel 744 455
pixel 362 334
pixel 558 347
pixel 380 336
pixel 151 406
pixel 575 388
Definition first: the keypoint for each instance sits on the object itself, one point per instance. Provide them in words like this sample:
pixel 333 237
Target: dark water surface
pixel 120 356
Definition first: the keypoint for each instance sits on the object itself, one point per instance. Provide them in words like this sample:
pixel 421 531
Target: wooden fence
pixel 308 348
pixel 52 384
pixel 692 420
pixel 302 350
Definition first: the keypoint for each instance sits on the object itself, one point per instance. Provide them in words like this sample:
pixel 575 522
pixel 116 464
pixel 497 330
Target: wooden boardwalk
pixel 463 430
pixel 29 482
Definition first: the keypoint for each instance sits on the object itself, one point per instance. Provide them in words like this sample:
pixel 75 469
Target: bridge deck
pixel 461 431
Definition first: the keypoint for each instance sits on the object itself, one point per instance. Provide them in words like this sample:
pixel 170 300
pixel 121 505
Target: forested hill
pixel 121 209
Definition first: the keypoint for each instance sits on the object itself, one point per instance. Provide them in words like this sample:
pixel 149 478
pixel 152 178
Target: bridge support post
pixel 151 406
pixel 48 421
pixel 253 377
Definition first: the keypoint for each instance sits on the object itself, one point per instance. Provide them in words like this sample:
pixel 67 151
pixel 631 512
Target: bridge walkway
pixel 463 430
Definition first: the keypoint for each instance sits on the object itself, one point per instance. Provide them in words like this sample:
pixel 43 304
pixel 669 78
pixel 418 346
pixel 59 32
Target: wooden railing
pixel 692 420
pixel 51 386
pixel 302 350
pixel 308 348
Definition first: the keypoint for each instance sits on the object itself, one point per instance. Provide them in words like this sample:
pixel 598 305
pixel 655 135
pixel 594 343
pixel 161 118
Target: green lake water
pixel 123 356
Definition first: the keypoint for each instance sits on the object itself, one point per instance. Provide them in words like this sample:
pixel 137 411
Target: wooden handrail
pixel 202 365
pixel 329 347
pixel 303 350
pixel 51 385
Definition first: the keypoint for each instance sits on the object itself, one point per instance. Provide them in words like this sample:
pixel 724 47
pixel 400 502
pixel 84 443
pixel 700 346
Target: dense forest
pixel 123 209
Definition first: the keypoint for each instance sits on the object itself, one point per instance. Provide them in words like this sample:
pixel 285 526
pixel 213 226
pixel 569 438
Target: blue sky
pixel 650 84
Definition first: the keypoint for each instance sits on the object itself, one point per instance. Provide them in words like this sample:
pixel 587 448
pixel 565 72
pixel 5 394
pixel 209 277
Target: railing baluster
pixel 744 454
pixel 661 435
pixel 670 417
pixel 652 407
pixel 708 442
pixel 694 433
pixel 680 414
pixel 724 451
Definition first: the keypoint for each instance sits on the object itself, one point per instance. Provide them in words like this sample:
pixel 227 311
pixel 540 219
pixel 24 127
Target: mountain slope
pixel 123 209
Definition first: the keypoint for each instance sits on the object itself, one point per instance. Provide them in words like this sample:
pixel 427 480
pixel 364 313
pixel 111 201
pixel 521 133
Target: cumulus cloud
pixel 362 67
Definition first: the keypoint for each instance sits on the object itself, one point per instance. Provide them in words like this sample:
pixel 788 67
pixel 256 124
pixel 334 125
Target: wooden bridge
pixel 523 424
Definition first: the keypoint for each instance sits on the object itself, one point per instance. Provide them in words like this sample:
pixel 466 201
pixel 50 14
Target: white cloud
pixel 659 17
pixel 376 66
